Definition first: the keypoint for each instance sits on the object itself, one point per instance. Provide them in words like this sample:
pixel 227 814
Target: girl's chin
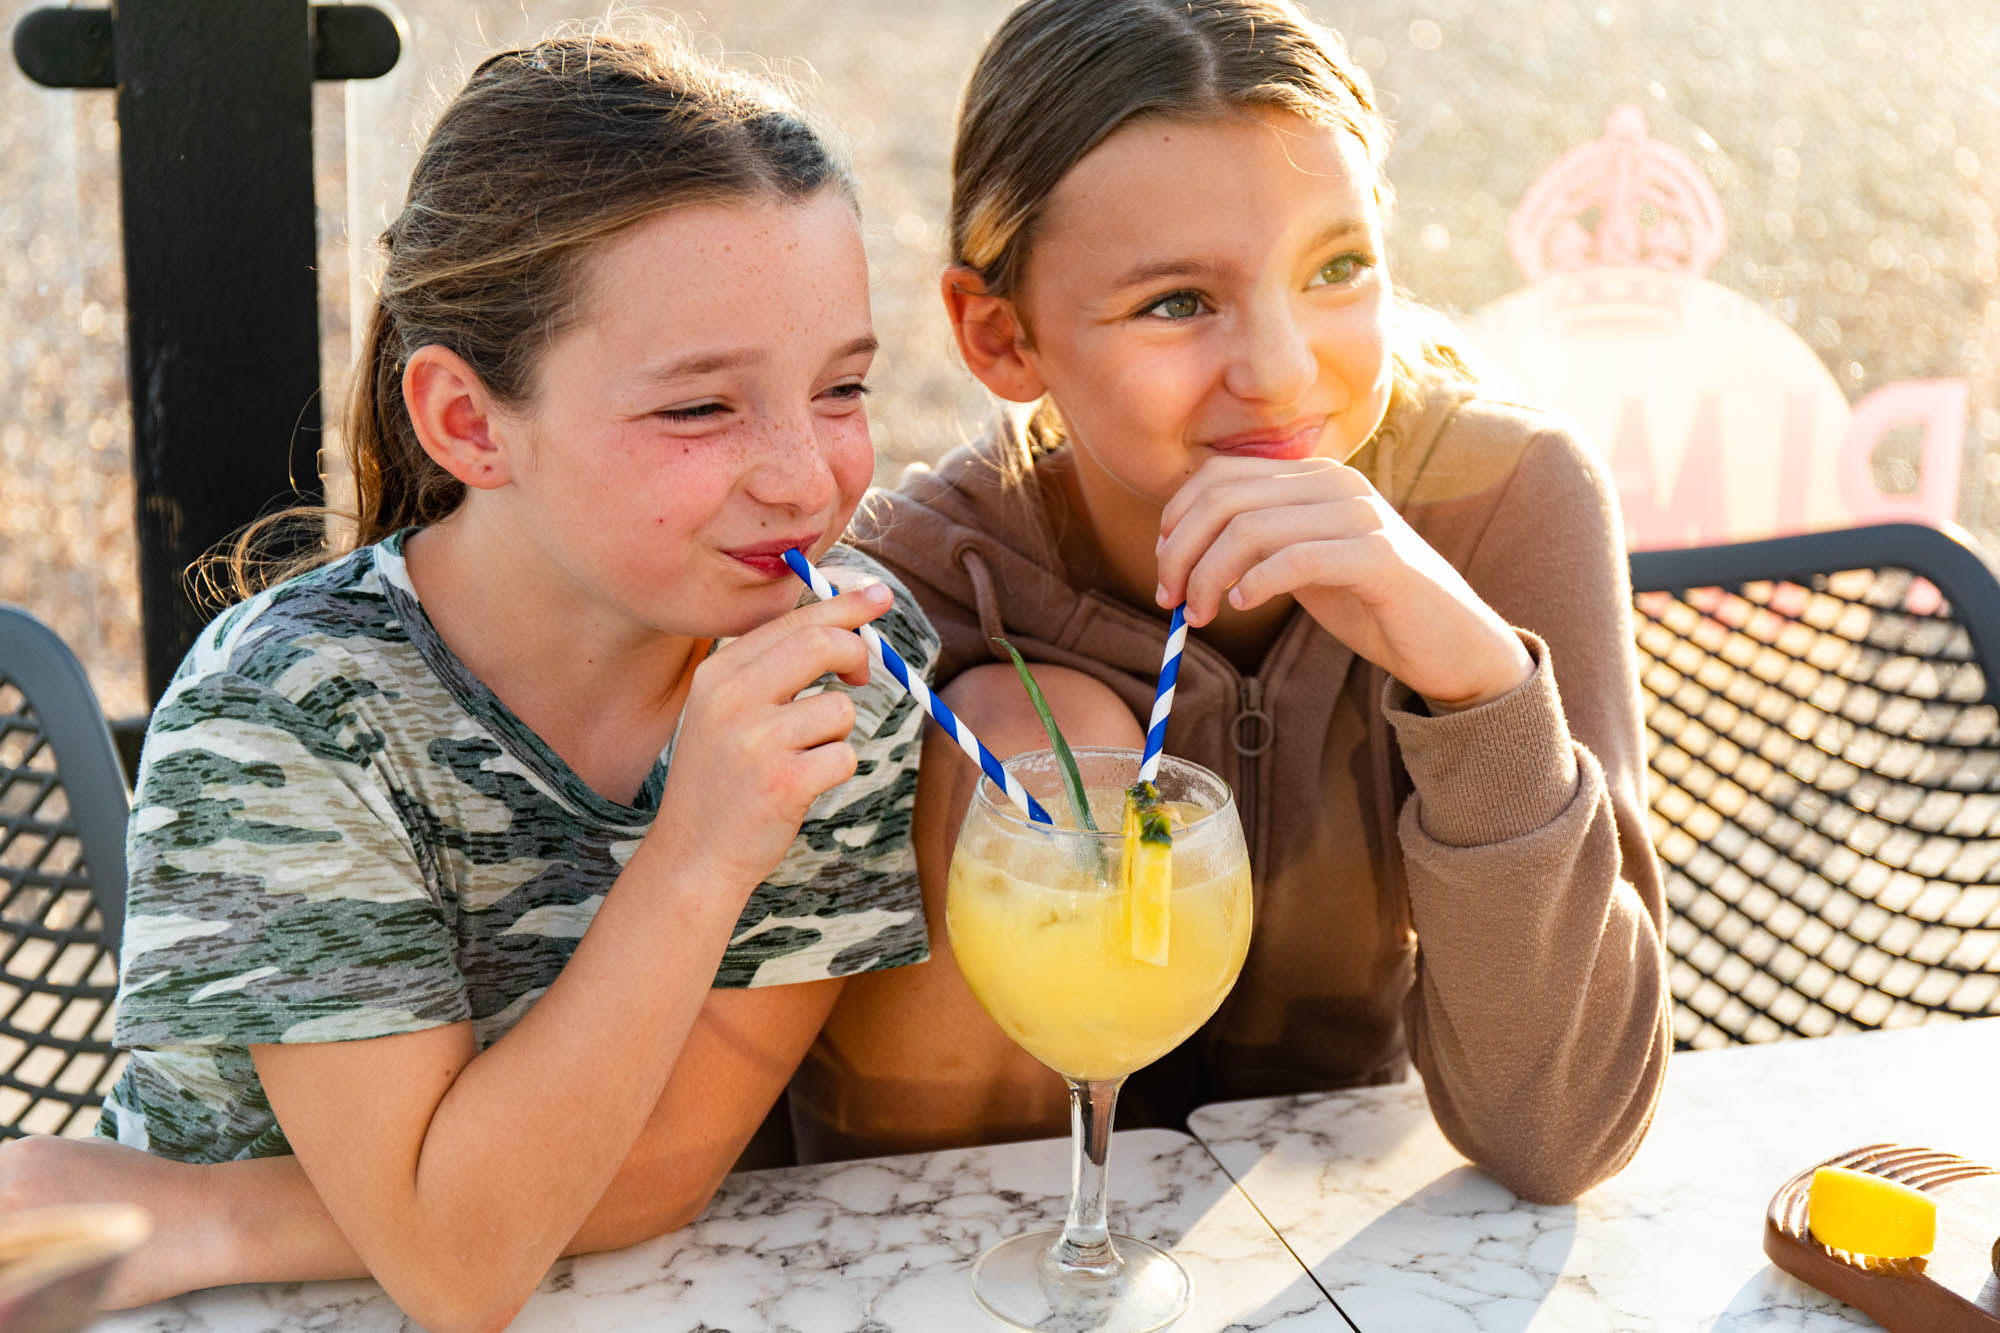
pixel 761 606
pixel 728 614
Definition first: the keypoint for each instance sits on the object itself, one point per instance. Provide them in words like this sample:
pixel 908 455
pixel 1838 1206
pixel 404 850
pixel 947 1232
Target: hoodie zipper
pixel 1251 733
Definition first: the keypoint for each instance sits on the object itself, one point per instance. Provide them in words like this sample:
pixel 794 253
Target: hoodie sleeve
pixel 1540 1019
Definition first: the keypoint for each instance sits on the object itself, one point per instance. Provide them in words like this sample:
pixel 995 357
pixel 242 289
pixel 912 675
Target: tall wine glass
pixel 1038 922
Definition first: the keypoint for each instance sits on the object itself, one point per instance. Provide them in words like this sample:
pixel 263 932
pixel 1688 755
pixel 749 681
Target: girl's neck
pixel 1108 544
pixel 604 694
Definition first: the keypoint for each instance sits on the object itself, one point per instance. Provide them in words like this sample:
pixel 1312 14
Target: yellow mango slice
pixel 1148 874
pixel 1868 1214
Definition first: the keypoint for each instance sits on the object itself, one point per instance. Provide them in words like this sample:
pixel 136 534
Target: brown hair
pixel 544 154
pixel 1060 76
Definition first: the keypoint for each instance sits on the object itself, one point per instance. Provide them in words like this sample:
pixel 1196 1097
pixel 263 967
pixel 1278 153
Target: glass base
pixel 1018 1282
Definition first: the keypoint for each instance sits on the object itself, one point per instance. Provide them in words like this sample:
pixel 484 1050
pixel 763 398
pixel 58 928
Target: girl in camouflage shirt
pixel 489 880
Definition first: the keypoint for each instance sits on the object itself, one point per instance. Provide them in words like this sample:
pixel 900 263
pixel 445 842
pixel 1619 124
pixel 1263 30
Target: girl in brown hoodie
pixel 1167 234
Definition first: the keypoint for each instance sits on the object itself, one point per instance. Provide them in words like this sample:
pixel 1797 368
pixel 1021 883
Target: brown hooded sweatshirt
pixel 1474 890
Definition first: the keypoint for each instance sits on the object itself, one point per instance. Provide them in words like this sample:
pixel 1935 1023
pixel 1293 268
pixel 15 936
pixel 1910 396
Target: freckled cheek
pixel 850 456
pixel 670 508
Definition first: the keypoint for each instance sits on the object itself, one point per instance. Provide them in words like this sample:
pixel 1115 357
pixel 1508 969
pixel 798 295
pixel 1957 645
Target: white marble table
pixel 883 1245
pixel 1405 1235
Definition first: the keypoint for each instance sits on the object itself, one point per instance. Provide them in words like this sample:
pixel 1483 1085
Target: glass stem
pixel 1086 1233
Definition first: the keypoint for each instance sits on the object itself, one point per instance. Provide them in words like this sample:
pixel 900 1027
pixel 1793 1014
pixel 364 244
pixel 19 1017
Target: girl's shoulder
pixel 1471 447
pixel 1496 421
pixel 319 636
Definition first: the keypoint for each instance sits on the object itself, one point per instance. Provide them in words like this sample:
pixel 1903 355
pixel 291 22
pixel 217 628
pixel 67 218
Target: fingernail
pixel 1160 544
pixel 1160 594
pixel 1236 598
pixel 877 592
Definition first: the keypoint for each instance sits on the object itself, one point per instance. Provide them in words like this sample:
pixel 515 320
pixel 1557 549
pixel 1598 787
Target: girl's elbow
pixel 444 1293
pixel 464 1310
pixel 1544 1181
pixel 1544 1158
pixel 647 1216
pixel 1546 1150
pixel 637 1230
pixel 688 1210
pixel 682 1209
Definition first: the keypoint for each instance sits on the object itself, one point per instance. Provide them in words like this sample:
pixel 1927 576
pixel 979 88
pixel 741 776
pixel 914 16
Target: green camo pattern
pixel 339 833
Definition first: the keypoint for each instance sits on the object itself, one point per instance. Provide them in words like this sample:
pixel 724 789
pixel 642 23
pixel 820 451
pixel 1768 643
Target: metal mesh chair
pixel 1825 780
pixel 62 873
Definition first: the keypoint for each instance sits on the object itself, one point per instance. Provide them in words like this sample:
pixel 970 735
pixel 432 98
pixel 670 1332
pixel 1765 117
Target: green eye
pixel 1341 270
pixel 1180 305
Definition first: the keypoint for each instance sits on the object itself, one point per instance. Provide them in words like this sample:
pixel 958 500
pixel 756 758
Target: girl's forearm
pixel 536 1127
pixel 460 1196
pixel 214 1225
pixel 262 1221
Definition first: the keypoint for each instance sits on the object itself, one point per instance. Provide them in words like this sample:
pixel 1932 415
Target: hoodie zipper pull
pixel 1253 731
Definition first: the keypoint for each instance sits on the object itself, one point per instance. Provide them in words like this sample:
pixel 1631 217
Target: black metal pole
pixel 215 123
pixel 222 311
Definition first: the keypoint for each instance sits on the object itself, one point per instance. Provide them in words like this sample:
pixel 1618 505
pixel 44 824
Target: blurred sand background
pixel 1855 145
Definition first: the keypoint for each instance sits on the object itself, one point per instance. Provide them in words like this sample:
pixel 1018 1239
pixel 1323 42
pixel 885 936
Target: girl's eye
pixel 1341 270
pixel 852 392
pixel 1176 305
pixel 699 412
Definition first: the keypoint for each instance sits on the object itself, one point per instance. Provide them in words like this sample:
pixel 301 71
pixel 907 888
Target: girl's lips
pixel 770 566
pixel 1298 442
pixel 768 558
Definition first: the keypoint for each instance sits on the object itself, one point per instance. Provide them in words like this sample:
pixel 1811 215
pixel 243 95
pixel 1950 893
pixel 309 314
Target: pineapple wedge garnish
pixel 1148 873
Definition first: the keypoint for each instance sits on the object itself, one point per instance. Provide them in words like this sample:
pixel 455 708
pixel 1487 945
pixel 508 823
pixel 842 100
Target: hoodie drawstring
pixel 983 596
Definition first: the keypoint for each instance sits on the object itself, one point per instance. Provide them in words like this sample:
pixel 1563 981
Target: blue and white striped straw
pixel 939 712
pixel 1163 694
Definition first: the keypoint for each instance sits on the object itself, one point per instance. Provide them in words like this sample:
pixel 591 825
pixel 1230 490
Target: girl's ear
pixel 990 336
pixel 452 412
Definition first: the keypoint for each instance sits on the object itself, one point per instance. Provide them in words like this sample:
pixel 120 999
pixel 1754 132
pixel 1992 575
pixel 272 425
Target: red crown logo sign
pixel 1624 201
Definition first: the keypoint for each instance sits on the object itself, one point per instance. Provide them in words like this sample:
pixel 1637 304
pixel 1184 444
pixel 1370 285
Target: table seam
pixel 1304 1267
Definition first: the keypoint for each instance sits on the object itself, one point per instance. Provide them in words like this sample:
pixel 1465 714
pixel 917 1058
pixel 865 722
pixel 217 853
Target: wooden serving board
pixel 1953 1289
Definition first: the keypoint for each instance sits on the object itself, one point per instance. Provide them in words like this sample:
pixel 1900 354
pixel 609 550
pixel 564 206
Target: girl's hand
pixel 1244 530
pixel 188 1238
pixel 752 757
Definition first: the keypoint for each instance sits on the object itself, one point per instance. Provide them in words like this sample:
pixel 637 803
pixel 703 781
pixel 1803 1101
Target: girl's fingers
pixel 1221 470
pixel 1312 478
pixel 1220 503
pixel 850 610
pixel 779 658
pixel 858 676
pixel 776 675
pixel 801 777
pixel 1253 535
pixel 1205 520
pixel 816 720
pixel 822 768
pixel 1341 563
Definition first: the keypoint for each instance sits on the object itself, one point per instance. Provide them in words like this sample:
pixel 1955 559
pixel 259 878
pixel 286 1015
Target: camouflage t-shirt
pixel 339 833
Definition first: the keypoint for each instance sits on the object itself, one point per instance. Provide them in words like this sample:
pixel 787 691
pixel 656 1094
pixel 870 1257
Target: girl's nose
pixel 793 471
pixel 1273 359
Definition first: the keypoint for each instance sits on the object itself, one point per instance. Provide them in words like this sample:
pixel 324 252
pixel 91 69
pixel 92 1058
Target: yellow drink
pixel 1046 947
pixel 1095 972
